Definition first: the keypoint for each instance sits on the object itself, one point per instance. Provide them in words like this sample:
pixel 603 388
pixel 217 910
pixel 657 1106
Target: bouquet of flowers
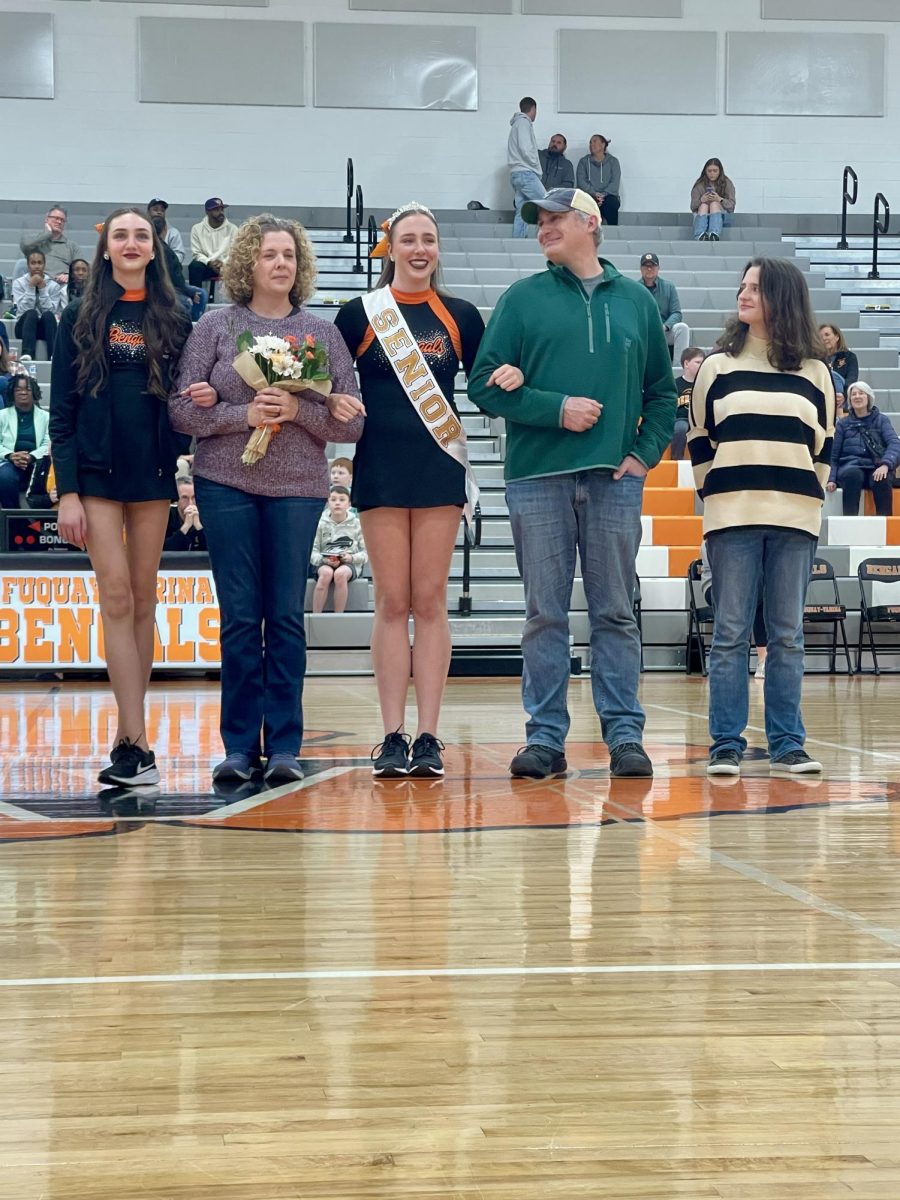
pixel 285 363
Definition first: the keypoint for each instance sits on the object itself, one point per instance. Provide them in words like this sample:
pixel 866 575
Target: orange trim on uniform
pixel 440 311
pixel 433 300
pixel 135 296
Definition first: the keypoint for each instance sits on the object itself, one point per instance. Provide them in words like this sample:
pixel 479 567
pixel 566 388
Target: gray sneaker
pixel 795 762
pixel 236 766
pixel 283 768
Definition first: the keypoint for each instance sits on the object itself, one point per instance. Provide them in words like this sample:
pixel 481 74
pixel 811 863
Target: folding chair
pixel 700 614
pixel 823 607
pixel 880 571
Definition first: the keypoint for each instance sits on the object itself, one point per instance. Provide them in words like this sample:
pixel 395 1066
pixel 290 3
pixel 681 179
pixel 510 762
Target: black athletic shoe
pixel 795 762
pixel 713 237
pixel 724 762
pixel 425 757
pixel 538 762
pixel 390 759
pixel 130 766
pixel 283 768
pixel 629 760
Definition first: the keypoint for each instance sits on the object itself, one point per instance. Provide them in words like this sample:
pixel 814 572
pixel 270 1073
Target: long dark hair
pixel 722 183
pixel 165 326
pixel 386 278
pixel 790 322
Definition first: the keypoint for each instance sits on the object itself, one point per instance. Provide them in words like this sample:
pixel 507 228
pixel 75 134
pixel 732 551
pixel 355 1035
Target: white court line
pixel 760 729
pixel 249 802
pixel 19 814
pixel 890 937
pixel 449 973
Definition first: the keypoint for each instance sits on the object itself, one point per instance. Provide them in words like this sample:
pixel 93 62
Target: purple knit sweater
pixel 295 463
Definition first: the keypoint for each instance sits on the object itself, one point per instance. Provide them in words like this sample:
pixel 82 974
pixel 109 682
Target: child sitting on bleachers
pixel 339 553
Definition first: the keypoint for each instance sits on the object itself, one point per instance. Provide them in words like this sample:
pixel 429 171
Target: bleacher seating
pixel 480 260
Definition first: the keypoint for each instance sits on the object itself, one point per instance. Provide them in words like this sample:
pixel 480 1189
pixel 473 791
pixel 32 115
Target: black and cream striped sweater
pixel 760 441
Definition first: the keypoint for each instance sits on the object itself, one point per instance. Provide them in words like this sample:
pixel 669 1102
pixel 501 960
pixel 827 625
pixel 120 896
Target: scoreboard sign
pixel 35 533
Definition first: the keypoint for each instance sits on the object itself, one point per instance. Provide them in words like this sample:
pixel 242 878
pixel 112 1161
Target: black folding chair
pixel 870 571
pixel 700 614
pixel 823 607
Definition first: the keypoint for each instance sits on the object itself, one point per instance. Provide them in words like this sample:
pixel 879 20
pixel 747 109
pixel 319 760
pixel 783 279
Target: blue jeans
pixel 710 223
pixel 601 518
pixel 526 185
pixel 259 550
pixel 779 562
pixel 12 482
pixel 198 307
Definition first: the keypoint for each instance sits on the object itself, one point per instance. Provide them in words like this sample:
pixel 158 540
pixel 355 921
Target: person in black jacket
pixel 193 298
pixel 115 454
pixel 839 357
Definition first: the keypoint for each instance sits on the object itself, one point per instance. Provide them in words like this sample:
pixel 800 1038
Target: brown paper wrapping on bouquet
pixel 251 373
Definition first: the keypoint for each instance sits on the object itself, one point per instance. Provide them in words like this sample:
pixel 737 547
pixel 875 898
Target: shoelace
pixel 427 741
pixel 380 749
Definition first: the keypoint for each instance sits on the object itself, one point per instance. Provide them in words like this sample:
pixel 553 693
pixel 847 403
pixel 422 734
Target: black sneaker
pixel 425 757
pixel 130 766
pixel 283 768
pixel 704 237
pixel 795 762
pixel 538 762
pixel 390 758
pixel 724 762
pixel 629 760
pixel 713 237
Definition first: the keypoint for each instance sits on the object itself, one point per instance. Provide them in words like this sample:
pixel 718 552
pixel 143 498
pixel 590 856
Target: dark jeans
pixel 12 481
pixel 199 273
pixel 609 210
pixel 33 325
pixel 259 550
pixel 679 437
pixel 852 480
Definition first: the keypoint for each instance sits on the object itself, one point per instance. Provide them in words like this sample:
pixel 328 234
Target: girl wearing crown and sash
pixel 411 478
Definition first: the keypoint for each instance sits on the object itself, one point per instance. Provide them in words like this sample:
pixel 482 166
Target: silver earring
pixel 152 256
pixel 106 256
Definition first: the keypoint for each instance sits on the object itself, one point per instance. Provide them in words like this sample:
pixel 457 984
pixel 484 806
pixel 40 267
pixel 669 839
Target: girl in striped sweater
pixel 762 423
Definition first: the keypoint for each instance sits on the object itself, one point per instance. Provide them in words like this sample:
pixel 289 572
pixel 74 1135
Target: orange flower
pixel 310 340
pixel 310 355
pixel 291 340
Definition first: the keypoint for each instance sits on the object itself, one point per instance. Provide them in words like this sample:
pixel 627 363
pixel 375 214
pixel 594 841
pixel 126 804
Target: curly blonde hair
pixel 244 252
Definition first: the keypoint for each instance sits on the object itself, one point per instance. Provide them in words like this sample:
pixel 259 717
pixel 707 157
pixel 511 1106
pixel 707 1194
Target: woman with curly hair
pixel 762 425
pixel 114 455
pixel 712 201
pixel 261 520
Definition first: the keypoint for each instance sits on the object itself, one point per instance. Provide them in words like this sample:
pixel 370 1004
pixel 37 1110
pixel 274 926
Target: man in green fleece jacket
pixel 595 413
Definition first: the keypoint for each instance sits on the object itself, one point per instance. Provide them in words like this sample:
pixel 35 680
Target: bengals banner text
pixel 51 619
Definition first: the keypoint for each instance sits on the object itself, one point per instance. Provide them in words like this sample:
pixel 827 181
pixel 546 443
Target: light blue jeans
pixel 710 223
pixel 601 518
pixel 779 560
pixel 526 186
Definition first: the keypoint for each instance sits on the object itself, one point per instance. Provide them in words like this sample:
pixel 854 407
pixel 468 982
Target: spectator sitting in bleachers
pixel 6 371
pixel 712 201
pixel 38 299
pixel 211 240
pixel 840 395
pixel 185 531
pixel 340 471
pixel 691 358
pixel 169 234
pixel 866 454
pixel 666 296
pixel 78 277
pixel 59 251
pixel 600 175
pixel 339 553
pixel 194 299
pixel 24 438
pixel 838 357
pixel 556 169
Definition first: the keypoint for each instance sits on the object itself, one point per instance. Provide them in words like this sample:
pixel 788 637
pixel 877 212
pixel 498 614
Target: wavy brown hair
pixel 165 326
pixel 244 253
pixel 721 184
pixel 841 340
pixel 790 322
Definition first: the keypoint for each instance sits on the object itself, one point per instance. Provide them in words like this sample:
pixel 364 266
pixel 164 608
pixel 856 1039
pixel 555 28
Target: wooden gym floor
pixel 474 989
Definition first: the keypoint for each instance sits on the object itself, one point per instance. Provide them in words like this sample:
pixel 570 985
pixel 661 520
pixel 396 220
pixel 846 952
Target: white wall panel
pixel 433 6
pixel 830 10
pixel 604 8
pixel 27 59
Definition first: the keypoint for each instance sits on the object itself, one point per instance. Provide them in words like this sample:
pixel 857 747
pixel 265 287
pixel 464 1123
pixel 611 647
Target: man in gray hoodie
pixel 524 161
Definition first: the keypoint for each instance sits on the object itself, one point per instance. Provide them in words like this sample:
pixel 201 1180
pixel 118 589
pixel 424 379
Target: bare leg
pixel 342 577
pixel 387 537
pixel 434 533
pixel 127 618
pixel 320 595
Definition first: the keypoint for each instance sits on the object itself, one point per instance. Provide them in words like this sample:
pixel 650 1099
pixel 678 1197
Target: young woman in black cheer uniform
pixel 408 490
pixel 114 455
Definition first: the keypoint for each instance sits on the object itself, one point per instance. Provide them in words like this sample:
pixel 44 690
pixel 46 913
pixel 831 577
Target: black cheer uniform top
pixel 139 470
pixel 398 464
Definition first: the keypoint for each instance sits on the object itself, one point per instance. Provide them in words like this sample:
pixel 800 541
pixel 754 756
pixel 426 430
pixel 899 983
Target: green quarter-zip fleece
pixel 609 346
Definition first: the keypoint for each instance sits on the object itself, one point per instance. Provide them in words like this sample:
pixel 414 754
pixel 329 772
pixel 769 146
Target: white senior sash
pixel 418 382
